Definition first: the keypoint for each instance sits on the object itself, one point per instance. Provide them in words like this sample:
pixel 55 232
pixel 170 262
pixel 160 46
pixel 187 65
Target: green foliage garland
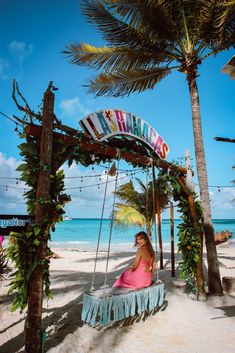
pixel 189 240
pixel 189 233
pixel 23 249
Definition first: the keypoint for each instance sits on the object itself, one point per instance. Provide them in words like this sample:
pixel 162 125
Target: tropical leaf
pixel 123 83
pixel 137 207
pixel 126 216
pixel 115 31
pixel 149 34
pixel 217 24
pixel 114 59
pixel 127 193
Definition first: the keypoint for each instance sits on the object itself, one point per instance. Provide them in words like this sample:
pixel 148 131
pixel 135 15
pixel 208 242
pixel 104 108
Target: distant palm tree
pixel 138 208
pixel 148 39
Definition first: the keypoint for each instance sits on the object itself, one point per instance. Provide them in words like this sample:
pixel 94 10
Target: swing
pixel 108 305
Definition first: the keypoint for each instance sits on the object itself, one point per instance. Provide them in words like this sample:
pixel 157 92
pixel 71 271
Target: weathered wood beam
pixel 172 241
pixel 100 148
pixel 33 340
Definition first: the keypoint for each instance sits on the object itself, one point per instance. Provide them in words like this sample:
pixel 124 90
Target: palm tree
pixel 138 208
pixel 148 39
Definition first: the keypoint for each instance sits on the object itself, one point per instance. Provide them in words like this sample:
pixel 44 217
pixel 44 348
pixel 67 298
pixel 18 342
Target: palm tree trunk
pixel 214 281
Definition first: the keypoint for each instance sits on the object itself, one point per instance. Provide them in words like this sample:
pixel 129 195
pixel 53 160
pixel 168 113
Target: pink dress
pixel 139 278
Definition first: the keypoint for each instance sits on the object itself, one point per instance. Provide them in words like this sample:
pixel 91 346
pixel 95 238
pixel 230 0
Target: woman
pixel 141 272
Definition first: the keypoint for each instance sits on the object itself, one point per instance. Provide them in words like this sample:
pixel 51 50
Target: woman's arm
pixel 136 260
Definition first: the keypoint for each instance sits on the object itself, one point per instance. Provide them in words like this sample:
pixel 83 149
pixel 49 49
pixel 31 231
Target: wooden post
pixel 200 279
pixel 172 241
pixel 33 343
pixel 159 231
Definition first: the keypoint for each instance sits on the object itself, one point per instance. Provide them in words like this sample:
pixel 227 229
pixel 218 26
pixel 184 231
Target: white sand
pixel 185 326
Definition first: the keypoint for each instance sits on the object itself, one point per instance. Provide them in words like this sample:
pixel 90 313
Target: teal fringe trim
pixel 115 304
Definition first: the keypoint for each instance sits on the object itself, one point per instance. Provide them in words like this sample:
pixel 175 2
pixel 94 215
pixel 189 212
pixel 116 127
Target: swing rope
pixel 112 305
pixel 100 228
pixel 154 215
pixel 111 224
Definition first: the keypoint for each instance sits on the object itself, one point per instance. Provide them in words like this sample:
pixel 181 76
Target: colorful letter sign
pixel 106 123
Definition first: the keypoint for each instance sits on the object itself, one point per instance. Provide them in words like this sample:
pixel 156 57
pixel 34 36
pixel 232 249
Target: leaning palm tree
pixel 148 39
pixel 138 208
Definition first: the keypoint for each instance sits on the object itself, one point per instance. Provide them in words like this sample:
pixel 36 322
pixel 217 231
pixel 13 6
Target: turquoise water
pixel 83 234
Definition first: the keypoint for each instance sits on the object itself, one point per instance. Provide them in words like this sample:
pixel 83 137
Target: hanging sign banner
pixel 110 122
pixel 14 223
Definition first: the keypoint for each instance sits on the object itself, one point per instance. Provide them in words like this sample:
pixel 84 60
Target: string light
pixel 92 185
pixel 7 187
pixel 72 177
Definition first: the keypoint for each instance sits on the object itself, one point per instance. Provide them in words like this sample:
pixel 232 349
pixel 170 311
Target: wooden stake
pixel 200 279
pixel 33 343
pixel 159 230
pixel 172 241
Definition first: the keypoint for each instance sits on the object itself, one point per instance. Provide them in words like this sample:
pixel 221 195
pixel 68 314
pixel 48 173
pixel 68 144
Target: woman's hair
pixel 144 236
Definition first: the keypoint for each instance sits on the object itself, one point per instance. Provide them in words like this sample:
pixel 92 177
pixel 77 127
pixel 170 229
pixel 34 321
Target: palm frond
pixel 130 11
pixel 217 24
pixel 115 31
pixel 126 216
pixel 123 83
pixel 142 186
pixel 121 58
pixel 127 193
pixel 140 202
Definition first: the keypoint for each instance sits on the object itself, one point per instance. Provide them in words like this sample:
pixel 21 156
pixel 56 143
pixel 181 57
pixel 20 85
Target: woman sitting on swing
pixel 141 272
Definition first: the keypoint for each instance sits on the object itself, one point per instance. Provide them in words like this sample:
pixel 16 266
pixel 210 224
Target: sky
pixel 33 36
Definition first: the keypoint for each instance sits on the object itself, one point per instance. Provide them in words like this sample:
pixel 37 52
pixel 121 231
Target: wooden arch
pixel 45 134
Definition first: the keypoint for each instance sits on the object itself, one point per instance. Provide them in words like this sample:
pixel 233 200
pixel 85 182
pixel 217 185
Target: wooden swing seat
pixel 108 305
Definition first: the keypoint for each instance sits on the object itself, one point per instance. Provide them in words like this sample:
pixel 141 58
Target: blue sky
pixel 33 36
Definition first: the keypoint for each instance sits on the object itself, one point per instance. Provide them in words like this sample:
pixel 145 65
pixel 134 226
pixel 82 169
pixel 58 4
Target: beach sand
pixel 184 326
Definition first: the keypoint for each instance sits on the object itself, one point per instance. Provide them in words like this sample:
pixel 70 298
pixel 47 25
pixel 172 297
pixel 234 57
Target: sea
pixel 82 234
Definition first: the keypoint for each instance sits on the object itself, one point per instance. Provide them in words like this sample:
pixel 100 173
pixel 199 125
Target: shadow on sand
pixel 66 319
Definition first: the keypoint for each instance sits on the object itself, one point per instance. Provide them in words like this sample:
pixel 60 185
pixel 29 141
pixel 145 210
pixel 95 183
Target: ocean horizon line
pixel 163 219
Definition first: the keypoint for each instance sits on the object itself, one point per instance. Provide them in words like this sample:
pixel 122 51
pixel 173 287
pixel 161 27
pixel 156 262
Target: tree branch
pixel 27 109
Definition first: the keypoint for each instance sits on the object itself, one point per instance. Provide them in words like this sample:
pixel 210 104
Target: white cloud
pixel 3 68
pixel 20 49
pixel 11 190
pixel 222 203
pixel 73 108
pixel 88 202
